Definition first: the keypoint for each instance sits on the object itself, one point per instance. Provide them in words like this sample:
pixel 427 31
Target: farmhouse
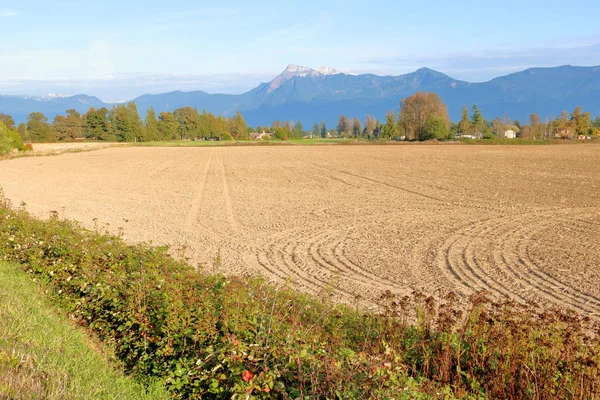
pixel 260 136
pixel 510 134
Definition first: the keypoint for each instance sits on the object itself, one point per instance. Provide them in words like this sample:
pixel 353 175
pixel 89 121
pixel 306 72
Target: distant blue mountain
pixel 19 107
pixel 309 95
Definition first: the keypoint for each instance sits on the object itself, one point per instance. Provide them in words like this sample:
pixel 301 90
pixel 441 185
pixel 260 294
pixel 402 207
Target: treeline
pixel 122 123
pixel 424 116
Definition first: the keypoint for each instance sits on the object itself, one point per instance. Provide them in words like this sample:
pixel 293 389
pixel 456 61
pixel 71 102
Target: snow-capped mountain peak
pixel 297 70
pixel 327 71
pixel 294 71
pixel 46 97
pixel 52 96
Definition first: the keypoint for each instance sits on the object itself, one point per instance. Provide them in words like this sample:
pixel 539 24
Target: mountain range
pixel 311 95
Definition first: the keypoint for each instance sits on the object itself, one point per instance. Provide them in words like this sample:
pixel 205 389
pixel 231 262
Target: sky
pixel 118 50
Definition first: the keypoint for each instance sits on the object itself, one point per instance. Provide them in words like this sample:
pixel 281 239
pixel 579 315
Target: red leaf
pixel 247 376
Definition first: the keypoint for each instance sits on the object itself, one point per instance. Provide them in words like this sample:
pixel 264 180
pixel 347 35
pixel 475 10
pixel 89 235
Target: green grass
pixel 291 142
pixel 44 356
pixel 203 143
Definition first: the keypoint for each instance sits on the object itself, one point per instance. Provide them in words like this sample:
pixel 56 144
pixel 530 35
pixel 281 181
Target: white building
pixel 510 134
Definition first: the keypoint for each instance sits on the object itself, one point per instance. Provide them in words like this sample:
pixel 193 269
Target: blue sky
pixel 120 49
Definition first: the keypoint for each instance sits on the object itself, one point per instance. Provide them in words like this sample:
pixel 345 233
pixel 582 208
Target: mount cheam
pixel 312 95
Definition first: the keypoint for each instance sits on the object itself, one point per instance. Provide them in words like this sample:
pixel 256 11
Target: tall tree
pixel 97 125
pixel 222 128
pixel 323 130
pixel 22 130
pixel 416 109
pixel 464 126
pixel 204 126
pixel 580 121
pixel 67 127
pixel 316 130
pixel 370 125
pixel 238 128
pixel 122 124
pixel 151 125
pixel 167 125
pixel 39 129
pixel 8 121
pixel 390 129
pixel 135 123
pixel 477 121
pixel 59 123
pixel 298 131
pixel 189 122
pixel 342 125
pixel 536 129
pixel 356 128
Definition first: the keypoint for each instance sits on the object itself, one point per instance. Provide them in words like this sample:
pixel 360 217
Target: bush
pixel 16 139
pixel 434 128
pixel 9 140
pixel 6 141
pixel 214 336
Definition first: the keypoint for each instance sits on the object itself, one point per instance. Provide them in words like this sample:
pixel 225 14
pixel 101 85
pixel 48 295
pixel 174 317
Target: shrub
pixel 17 142
pixel 6 142
pixel 9 140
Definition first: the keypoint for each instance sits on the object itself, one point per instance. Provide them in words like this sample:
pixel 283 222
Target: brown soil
pixel 518 221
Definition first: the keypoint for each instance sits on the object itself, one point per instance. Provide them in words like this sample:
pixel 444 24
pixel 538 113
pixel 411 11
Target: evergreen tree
pixel 136 128
pixel 464 126
pixel 390 129
pixel 97 125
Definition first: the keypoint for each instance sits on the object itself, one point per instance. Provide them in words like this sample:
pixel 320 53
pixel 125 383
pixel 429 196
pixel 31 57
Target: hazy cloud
pixel 8 13
pixel 119 87
pixel 488 64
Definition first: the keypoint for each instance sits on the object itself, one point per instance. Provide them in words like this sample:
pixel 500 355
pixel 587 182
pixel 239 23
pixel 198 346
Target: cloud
pixel 8 13
pixel 118 87
pixel 487 64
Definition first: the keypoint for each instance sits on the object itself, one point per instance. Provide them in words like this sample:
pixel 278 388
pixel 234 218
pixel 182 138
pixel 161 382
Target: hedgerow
pixel 214 336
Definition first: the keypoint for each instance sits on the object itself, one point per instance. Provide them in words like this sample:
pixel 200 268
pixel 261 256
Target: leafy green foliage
pixel 39 129
pixel 44 356
pixel 434 128
pixel 9 139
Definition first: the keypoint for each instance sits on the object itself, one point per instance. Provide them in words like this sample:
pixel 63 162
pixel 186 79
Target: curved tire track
pixel 492 255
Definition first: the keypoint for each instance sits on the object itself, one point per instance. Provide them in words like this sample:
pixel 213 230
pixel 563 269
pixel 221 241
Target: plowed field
pixel 518 221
